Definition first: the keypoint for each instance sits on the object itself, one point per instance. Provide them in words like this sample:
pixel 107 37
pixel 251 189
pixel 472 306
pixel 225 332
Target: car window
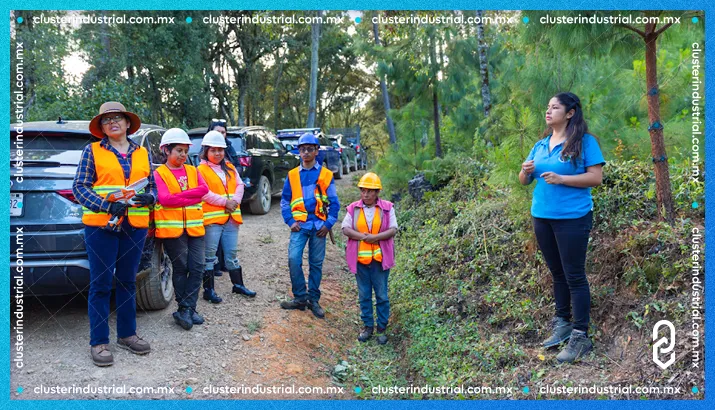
pixel 264 140
pixel 65 148
pixel 251 142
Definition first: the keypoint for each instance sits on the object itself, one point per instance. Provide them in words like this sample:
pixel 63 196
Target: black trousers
pixel 187 256
pixel 563 243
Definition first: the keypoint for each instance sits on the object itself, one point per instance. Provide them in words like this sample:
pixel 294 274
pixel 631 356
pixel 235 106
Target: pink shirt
pixel 186 197
pixel 215 198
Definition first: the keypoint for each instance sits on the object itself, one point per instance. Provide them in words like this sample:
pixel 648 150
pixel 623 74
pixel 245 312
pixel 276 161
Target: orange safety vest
pixel 171 222
pixel 110 178
pixel 369 251
pixel 297 206
pixel 217 214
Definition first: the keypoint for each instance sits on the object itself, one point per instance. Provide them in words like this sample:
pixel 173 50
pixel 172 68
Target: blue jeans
pixel 227 236
pixel 372 277
pixel 113 255
pixel 316 254
pixel 187 259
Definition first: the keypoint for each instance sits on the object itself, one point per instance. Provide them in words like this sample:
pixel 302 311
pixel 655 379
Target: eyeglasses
pixel 308 150
pixel 115 119
pixel 215 121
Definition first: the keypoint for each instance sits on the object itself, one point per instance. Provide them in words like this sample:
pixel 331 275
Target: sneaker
pixel 365 334
pixel 101 355
pixel 182 317
pixel 316 309
pixel 196 318
pixel 134 344
pixel 381 336
pixel 561 332
pixel 294 304
pixel 578 346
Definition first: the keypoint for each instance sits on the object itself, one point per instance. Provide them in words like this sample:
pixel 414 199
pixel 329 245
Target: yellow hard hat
pixel 370 181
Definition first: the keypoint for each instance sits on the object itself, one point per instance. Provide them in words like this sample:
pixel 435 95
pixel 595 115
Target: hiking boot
pixel 561 331
pixel 365 334
pixel 316 309
pixel 101 356
pixel 196 318
pixel 209 292
pixel 182 317
pixel 578 346
pixel 381 336
pixel 294 304
pixel 238 286
pixel 134 344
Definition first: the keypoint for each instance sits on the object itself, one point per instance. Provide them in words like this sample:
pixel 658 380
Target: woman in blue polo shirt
pixel 566 163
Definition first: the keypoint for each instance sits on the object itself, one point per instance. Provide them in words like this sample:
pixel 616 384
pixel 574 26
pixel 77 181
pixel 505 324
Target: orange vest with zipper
pixel 369 251
pixel 171 222
pixel 110 178
pixel 297 206
pixel 217 214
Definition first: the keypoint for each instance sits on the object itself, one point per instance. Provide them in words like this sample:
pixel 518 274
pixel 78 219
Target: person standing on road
pixel 370 225
pixel 222 214
pixel 106 166
pixel 179 220
pixel 309 206
pixel 566 163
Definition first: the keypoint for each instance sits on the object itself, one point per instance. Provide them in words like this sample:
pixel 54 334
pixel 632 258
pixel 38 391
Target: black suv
pixel 263 162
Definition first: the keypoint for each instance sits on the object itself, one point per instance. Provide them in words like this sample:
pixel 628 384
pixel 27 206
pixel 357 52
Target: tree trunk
pixel 484 66
pixel 242 81
pixel 435 98
pixel 157 98
pixel 664 195
pixel 385 95
pixel 314 47
pixel 276 93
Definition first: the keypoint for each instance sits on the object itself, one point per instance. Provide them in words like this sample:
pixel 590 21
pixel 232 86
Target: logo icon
pixel 669 339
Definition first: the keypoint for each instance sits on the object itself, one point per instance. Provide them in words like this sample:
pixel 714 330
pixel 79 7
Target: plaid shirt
pixel 87 175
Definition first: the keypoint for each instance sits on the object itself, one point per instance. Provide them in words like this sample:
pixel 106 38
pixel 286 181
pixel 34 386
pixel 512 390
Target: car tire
pixel 261 204
pixel 346 171
pixel 155 290
pixel 355 165
pixel 339 175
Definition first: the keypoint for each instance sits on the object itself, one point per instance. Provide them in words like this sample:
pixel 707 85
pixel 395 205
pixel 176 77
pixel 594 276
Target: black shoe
pixel 209 292
pixel 218 272
pixel 196 318
pixel 294 304
pixel 238 286
pixel 182 317
pixel 381 336
pixel 316 309
pixel 578 346
pixel 561 332
pixel 365 334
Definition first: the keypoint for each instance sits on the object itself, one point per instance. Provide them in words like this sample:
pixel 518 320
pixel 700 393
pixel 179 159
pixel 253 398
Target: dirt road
pixel 244 343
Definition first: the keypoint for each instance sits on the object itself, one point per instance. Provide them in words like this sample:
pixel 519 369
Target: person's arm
pixel 334 207
pixel 189 197
pixel 526 175
pixel 84 182
pixel 383 236
pixel 347 228
pixel 591 178
pixel 214 199
pixel 285 204
pixel 240 187
pixel 525 179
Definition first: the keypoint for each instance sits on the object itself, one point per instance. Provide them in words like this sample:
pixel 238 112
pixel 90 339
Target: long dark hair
pixel 224 166
pixel 213 123
pixel 575 129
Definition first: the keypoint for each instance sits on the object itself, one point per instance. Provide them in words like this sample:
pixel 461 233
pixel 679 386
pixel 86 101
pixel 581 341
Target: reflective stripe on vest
pixel 217 214
pixel 368 251
pixel 171 222
pixel 110 178
pixel 297 205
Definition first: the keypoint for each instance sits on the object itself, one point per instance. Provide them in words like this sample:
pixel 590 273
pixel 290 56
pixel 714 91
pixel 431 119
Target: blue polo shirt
pixel 561 201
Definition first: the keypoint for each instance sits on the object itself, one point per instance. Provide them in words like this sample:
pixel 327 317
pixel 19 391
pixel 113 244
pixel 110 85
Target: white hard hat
pixel 214 139
pixel 175 136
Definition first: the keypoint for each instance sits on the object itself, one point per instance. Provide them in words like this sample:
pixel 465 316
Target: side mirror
pixel 289 147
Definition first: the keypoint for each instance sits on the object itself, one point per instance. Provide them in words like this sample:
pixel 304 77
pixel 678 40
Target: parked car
pixel 327 156
pixel 42 204
pixel 347 152
pixel 263 163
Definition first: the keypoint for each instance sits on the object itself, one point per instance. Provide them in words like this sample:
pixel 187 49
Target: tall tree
pixel 434 69
pixel 385 94
pixel 314 47
pixel 483 65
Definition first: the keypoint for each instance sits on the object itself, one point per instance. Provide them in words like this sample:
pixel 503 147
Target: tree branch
pixel 629 27
pixel 662 29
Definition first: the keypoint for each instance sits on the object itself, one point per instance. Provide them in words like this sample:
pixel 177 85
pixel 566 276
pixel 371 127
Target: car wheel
pixel 339 175
pixel 355 164
pixel 156 290
pixel 346 171
pixel 261 204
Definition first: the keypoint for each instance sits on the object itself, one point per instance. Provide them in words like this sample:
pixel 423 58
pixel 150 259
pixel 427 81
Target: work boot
pixel 134 344
pixel 182 317
pixel 294 304
pixel 381 336
pixel 561 331
pixel 578 346
pixel 238 286
pixel 196 318
pixel 316 309
pixel 365 334
pixel 209 292
pixel 101 356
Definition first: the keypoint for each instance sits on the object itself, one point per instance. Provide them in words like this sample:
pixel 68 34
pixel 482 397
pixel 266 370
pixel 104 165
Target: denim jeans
pixel 316 254
pixel 113 255
pixel 372 277
pixel 563 243
pixel 227 236
pixel 187 258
